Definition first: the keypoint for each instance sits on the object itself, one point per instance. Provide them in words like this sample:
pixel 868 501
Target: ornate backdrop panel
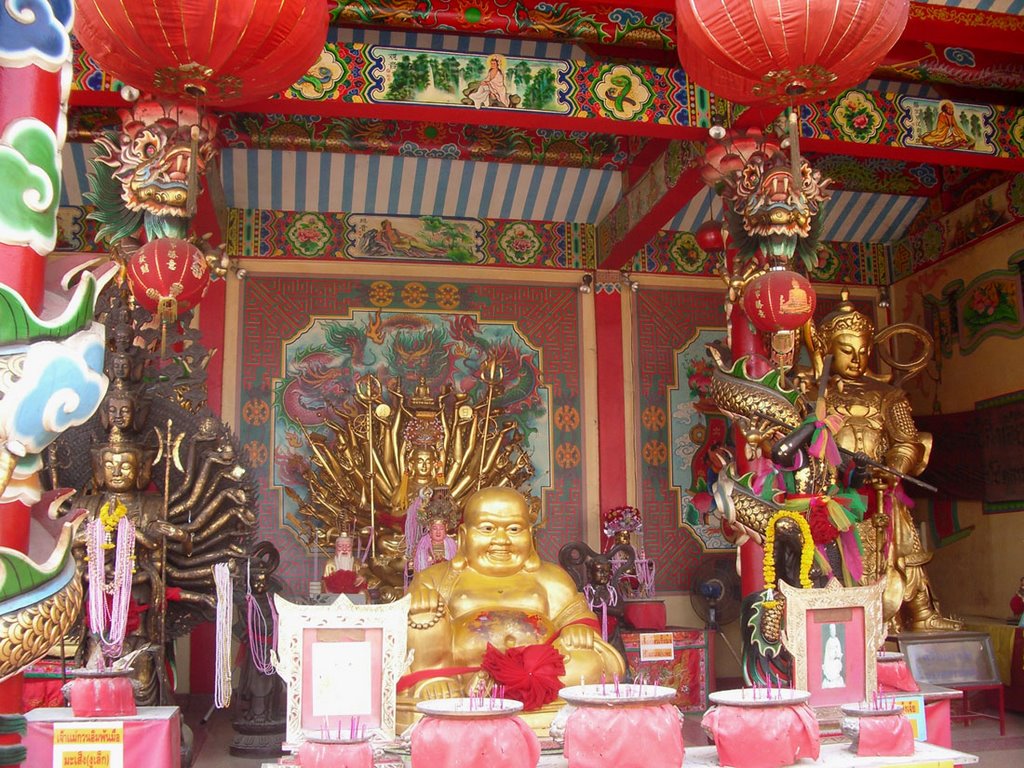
pixel 306 340
pixel 677 438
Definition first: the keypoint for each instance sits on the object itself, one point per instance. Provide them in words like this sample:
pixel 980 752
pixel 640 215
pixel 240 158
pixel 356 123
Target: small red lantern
pixel 168 276
pixel 785 51
pixel 711 237
pixel 228 52
pixel 779 300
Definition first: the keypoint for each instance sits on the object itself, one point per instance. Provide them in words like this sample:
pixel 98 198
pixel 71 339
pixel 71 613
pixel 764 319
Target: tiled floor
pixel 980 738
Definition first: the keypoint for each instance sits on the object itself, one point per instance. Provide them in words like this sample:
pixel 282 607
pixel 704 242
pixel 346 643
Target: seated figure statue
pixel 497 592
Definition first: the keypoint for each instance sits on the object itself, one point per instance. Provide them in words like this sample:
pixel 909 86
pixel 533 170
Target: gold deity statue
pixel 876 420
pixel 496 591
pixel 385 451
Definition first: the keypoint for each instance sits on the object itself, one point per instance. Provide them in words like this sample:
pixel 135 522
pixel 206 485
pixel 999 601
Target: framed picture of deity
pixel 341 663
pixel 834 635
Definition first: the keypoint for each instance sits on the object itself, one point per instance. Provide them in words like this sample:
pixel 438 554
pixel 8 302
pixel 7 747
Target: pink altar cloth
pixel 890 735
pixel 895 676
pixel 763 737
pixel 152 738
pixel 474 742
pixel 624 737
pixel 321 754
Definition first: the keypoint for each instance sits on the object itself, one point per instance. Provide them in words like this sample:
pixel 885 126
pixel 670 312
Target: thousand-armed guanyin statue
pixel 387 457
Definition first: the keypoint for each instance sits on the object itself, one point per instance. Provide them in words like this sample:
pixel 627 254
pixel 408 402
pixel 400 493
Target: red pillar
pixel 25 92
pixel 611 406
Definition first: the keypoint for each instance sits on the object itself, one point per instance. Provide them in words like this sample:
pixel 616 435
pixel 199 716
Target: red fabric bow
pixel 530 673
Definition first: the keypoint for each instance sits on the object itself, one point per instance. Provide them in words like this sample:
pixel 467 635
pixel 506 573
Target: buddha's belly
pixel 501 627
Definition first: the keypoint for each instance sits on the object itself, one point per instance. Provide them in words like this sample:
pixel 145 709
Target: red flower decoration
pixel 529 673
pixel 822 530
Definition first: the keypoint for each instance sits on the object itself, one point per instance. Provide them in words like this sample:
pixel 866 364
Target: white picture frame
pixel 341 663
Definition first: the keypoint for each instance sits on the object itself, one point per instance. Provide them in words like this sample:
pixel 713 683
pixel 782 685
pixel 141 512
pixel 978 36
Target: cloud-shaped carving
pixel 61 387
pixel 35 32
pixel 30 193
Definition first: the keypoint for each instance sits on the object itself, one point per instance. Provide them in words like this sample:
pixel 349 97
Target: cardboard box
pixel 679 658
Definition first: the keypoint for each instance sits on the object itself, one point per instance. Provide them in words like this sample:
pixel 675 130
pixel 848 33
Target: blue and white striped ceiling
pixel 419 186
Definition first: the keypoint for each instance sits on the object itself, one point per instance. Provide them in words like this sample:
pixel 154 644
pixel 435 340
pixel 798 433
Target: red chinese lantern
pixel 785 51
pixel 779 300
pixel 168 276
pixel 710 236
pixel 221 52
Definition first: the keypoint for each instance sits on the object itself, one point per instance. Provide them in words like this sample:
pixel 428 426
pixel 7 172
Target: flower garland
pixel 115 614
pixel 222 662
pixel 806 554
pixel 110 520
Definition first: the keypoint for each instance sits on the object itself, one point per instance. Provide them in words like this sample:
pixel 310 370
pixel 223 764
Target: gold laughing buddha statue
pixel 497 592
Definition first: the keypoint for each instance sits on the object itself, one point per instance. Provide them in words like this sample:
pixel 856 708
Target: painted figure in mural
pixel 492 90
pixel 389 242
pixel 876 420
pixel 832 667
pixel 497 592
pixel 947 133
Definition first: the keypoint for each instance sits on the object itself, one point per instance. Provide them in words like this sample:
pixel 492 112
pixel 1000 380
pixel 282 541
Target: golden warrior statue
pixel 877 421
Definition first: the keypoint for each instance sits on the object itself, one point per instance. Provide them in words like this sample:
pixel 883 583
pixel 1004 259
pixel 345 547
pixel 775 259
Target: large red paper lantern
pixel 168 276
pixel 219 51
pixel 779 300
pixel 785 51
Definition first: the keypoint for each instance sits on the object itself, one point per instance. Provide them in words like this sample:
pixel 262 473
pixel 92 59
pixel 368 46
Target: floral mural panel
pixel 700 437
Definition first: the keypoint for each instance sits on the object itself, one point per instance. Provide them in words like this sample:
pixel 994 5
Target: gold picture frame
pixel 834 635
pixel 341 663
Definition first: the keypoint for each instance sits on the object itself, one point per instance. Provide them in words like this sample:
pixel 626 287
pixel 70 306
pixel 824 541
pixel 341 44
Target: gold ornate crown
pixel 843 319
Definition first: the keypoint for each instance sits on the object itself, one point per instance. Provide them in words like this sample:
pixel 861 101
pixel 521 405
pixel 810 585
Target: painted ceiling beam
pixel 649 25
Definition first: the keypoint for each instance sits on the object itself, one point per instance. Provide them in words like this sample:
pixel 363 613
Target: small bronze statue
pixel 259 716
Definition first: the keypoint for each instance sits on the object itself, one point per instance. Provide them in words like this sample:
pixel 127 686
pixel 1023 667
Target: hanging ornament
pixel 779 300
pixel 785 51
pixel 232 52
pixel 168 276
pixel 711 236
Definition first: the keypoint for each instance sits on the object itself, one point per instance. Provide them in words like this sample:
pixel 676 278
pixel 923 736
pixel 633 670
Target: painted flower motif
pixel 256 412
pixel 961 57
pixel 828 263
pixel 447 296
pixel 382 293
pixel 520 243
pixel 567 418
pixel 622 92
pixel 415 295
pixel 257 452
pixel 308 235
pixel 686 254
pixel 857 117
pixel 698 377
pixel 655 452
pixel 653 417
pixel 567 455
pixel 985 299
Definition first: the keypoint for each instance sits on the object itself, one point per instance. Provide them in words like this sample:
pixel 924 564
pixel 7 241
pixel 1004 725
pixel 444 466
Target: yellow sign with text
pixel 88 745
